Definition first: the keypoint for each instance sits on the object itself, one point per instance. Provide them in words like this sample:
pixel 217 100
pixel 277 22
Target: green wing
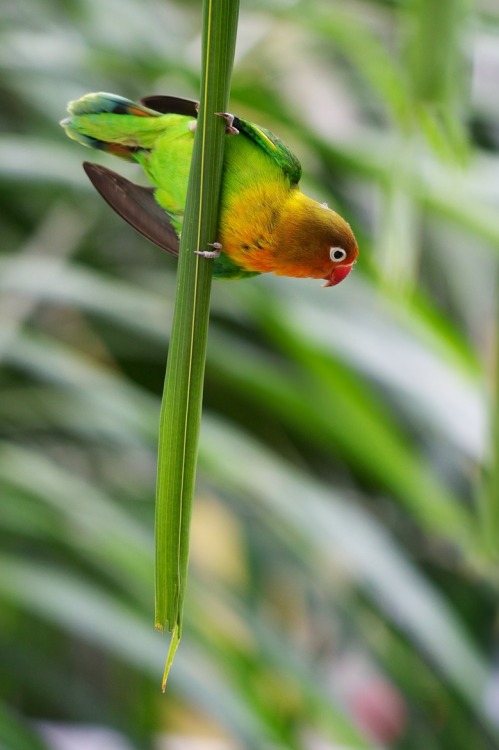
pixel 267 141
pixel 273 146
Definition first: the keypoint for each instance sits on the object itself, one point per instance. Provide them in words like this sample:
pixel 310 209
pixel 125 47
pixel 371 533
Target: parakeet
pixel 266 224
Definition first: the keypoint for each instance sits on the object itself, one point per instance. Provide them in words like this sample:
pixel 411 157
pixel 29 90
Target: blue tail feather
pixel 97 103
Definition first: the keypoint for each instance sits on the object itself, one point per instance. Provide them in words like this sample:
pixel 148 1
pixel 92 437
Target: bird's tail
pixel 111 123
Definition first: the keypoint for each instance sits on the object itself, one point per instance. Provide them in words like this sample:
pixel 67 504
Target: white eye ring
pixel 337 254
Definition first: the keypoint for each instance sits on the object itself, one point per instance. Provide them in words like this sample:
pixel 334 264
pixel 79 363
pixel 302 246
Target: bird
pixel 266 223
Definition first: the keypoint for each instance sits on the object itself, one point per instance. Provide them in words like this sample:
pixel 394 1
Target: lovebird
pixel 266 224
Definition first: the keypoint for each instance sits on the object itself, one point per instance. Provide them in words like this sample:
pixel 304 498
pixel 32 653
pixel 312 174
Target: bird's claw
pixel 229 119
pixel 217 249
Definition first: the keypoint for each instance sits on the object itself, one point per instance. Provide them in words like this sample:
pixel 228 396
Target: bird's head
pixel 319 243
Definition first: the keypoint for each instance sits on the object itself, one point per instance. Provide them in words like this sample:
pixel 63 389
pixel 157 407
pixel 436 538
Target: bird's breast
pixel 247 227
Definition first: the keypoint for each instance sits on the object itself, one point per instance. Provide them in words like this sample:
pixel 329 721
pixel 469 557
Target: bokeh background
pixel 343 579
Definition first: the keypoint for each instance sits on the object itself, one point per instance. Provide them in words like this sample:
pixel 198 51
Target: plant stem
pixel 182 397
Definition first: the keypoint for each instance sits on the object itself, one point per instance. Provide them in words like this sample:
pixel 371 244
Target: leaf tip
pixel 171 655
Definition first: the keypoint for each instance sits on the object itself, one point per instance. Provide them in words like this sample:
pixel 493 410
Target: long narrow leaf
pixel 182 399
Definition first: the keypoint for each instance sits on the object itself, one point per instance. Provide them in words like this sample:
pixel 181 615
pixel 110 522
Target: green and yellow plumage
pixel 266 224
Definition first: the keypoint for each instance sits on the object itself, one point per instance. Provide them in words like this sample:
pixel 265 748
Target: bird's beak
pixel 337 275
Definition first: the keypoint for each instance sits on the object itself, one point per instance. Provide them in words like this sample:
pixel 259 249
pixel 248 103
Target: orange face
pixel 317 243
pixel 314 242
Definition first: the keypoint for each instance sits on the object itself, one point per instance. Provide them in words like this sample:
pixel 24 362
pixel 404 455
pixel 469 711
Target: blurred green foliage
pixel 343 585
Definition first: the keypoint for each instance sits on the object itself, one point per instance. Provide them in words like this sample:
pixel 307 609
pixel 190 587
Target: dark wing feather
pixel 136 205
pixel 171 105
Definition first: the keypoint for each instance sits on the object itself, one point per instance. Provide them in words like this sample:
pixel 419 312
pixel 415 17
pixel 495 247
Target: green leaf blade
pixel 182 398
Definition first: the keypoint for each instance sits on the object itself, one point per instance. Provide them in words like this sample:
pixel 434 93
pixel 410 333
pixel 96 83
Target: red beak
pixel 337 275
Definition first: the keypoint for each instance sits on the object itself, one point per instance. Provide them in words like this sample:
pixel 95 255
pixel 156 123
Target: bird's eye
pixel 337 253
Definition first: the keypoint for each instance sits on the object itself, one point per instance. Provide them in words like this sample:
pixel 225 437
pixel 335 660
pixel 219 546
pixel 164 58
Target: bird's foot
pixel 229 119
pixel 217 249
